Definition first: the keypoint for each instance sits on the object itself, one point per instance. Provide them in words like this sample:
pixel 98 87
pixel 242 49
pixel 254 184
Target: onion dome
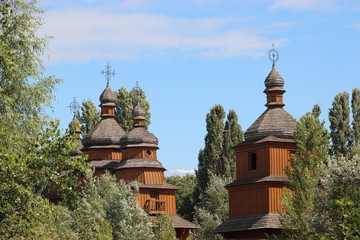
pixel 274 81
pixel 275 121
pixel 107 97
pixel 139 136
pixel 107 131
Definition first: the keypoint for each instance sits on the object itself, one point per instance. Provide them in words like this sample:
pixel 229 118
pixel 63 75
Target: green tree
pixel 217 157
pixel 163 228
pixel 89 116
pixel 114 202
pixel 24 91
pixel 126 101
pixel 33 152
pixel 210 158
pixel 355 107
pixel 185 196
pixel 316 111
pixel 298 201
pixel 339 117
pixel 212 209
pixel 30 167
pixel 336 214
pixel 233 135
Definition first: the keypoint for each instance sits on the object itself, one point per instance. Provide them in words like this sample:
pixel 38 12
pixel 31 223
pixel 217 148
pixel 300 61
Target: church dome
pixel 107 96
pixel 274 81
pixel 106 132
pixel 139 136
pixel 273 122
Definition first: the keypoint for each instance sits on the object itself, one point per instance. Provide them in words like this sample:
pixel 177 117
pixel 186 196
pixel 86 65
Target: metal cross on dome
pixel 74 106
pixel 273 54
pixel 137 89
pixel 108 73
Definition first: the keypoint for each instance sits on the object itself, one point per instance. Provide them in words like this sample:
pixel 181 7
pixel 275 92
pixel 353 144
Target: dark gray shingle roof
pixel 106 132
pixel 274 81
pixel 153 186
pixel 178 222
pixel 270 178
pixel 249 222
pixel 137 137
pixel 107 96
pixel 273 122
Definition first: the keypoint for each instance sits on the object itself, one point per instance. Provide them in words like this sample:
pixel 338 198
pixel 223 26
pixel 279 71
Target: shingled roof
pixel 273 122
pixel 139 136
pixel 108 131
pixel 178 222
pixel 249 222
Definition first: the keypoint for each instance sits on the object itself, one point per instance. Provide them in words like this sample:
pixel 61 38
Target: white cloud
pixel 304 4
pixel 83 34
pixel 179 172
pixel 355 25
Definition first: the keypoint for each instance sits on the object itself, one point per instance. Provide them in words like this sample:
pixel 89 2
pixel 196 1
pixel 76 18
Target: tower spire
pixel 274 83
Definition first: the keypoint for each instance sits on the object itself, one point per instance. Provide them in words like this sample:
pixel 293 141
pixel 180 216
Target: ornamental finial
pixel 74 106
pixel 273 54
pixel 108 73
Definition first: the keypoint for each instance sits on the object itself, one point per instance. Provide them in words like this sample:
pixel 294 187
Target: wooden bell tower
pixel 254 197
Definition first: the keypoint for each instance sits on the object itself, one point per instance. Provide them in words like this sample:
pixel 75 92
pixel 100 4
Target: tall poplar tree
pixel 339 117
pixel 316 111
pixel 355 108
pixel 89 116
pixel 217 157
pixel 126 101
pixel 233 135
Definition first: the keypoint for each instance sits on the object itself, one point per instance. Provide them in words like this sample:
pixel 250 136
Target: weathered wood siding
pixel 144 175
pixel 131 153
pixel 104 154
pixel 247 200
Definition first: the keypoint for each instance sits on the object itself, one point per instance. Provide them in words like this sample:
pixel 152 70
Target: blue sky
pixel 189 55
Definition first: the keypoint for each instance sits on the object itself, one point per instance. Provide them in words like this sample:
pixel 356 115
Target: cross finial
pixel 137 89
pixel 108 73
pixel 74 106
pixel 273 54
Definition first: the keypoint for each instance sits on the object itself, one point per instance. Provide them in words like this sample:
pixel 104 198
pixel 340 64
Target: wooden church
pixel 131 156
pixel 254 197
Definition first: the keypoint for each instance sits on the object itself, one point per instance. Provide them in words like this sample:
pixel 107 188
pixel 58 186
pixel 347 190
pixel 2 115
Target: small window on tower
pixel 148 153
pixel 252 161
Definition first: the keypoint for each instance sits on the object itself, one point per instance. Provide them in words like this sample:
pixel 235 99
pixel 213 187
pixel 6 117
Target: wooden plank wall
pixel 135 152
pixel 144 175
pixel 104 154
pixel 242 162
pixel 247 200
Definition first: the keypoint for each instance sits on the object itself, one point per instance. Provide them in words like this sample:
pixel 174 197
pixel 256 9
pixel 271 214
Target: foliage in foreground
pixel 324 199
pixel 212 209
pixel 184 196
pixel 163 228
pixel 113 206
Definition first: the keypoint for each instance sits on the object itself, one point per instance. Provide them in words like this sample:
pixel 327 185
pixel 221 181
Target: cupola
pixel 139 136
pixel 275 121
